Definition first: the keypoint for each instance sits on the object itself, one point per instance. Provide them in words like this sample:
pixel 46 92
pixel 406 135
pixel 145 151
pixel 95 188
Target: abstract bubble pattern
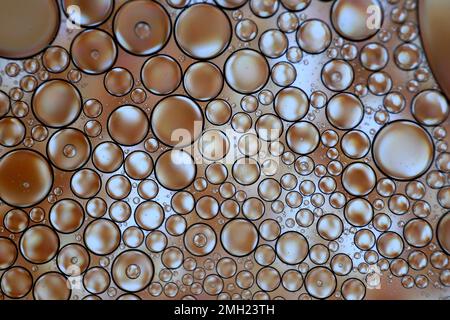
pixel 226 149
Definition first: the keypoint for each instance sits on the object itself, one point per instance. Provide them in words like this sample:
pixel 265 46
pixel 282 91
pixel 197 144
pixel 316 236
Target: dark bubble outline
pixel 115 145
pixel 52 173
pixel 327 116
pixel 366 165
pixel 50 211
pixel 413 45
pixel 379 229
pixel 441 219
pixel 247 159
pixel 361 231
pixel 114 60
pixel 238 114
pixel 92 268
pixel 413 104
pixel 175 147
pixel 348 203
pixel 284 50
pixel 79 246
pixel 221 78
pixel 421 253
pixel 229 109
pixel 309 160
pixel 259 193
pixel 4 95
pixel 284 284
pixel 406 122
pixel 166 241
pixel 79 166
pixel 204 197
pixel 337 90
pixel 366 38
pixel 250 199
pixel 262 86
pixel 175 32
pixel 353 279
pixel 170 31
pixel 318 245
pixel 326 27
pixel 231 7
pixel 46 227
pixel 268 268
pixel 433 233
pixel 159 56
pixel 140 233
pixel 208 227
pixel 398 195
pixel 221 210
pixel 239 22
pixel 261 264
pixel 390 82
pixel 334 216
pixel 277 250
pixel 54 47
pixel 58 23
pixel 100 220
pixel 22 126
pixel 315 147
pixel 16 267
pixel 360 132
pixel 222 166
pixel 268 115
pixel 122 69
pixel 178 192
pixel 145 203
pixel 257 238
pixel 117 202
pixel 193 163
pixel 297 89
pixel 390 232
pixel 220 132
pixel 142 113
pixel 246 272
pixel 132 251
pixel 309 212
pixel 341 255
pixel 15 255
pixel 10 211
pixel 77 91
pixel 382 48
pixel 217 267
pixel 90 196
pixel 335 282
pixel 173 217
pixel 140 193
pixel 177 249
pixel 125 165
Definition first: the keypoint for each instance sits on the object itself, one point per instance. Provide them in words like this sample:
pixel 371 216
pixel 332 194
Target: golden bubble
pixel 353 289
pixel 358 212
pixel 73 259
pixel 390 245
pixel 203 81
pixel 107 157
pixel 403 150
pixel 242 245
pixel 128 125
pixel 16 282
pixel 202 31
pixel 418 233
pixel 96 280
pixel 177 121
pixel 175 169
pixel 56 103
pixel 246 71
pixel 119 82
pixel 25 178
pixel 142 27
pixel 28 27
pixel 102 236
pixel 66 216
pixel 430 108
pixel 93 51
pixel 161 74
pixel 39 244
pixel 355 144
pixel 85 183
pixel 12 131
pixel 358 179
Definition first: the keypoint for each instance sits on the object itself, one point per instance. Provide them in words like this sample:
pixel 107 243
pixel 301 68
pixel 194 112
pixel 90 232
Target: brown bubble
pixel 403 150
pixel 148 189
pixel 118 187
pixel 107 157
pixel 355 144
pixel 408 56
pixel 242 245
pixel 341 264
pixel 292 247
pixel 119 211
pixel 66 216
pixel 292 280
pixel 246 71
pixel 68 149
pixel 16 282
pixel 379 83
pixel 355 28
pixel 73 259
pixel 118 82
pixel 39 244
pixel 268 279
pixel 149 215
pixel 329 227
pixel 183 202
pixel 218 112
pixel 161 74
pixel 200 239
pixel 177 121
pixel 345 111
pixel 85 183
pixel 142 27
pixel 172 257
pixel 207 207
pixel 203 81
pixel 92 13
pixel 374 56
pixel 96 280
pixel 156 241
pixel 264 9
pixel 337 75
pixel 313 36
pixel 246 171
pixel 128 125
pixel 418 233
pixel 56 103
pixel 102 236
pixel 269 189
pixel 12 131
pixel 358 179
pixel 93 51
pixel 358 212
pixel 320 282
pixel 175 169
pixel 353 289
pixel 291 104
pixel 390 245
pixel 273 43
pixel 4 103
pixel 132 270
pixel 26 178
pixel 202 31
pixel 302 137
pixel 8 253
pixel 55 59
pixel 138 165
pixel 216 173
pixel 246 30
pixel 430 108
pixel 443 232
pixel 29 27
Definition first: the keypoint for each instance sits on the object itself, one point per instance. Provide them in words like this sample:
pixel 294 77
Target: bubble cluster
pixel 228 149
